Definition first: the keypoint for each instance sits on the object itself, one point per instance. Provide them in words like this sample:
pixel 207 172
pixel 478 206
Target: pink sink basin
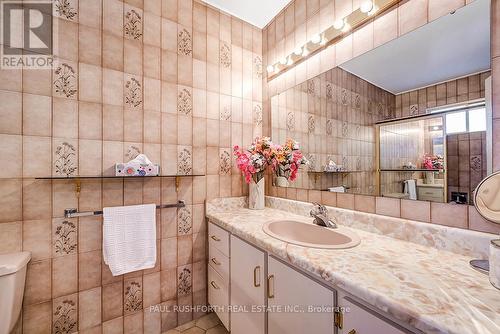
pixel 310 235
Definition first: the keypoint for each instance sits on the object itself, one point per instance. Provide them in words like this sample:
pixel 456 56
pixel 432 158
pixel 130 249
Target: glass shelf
pixel 339 172
pixel 110 177
pixel 413 170
pixel 78 179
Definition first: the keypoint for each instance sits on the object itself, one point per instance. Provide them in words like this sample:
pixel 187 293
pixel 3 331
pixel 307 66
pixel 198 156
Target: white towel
pixel 411 189
pixel 129 238
pixel 337 189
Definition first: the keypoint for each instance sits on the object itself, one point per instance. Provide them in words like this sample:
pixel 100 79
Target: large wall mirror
pixel 410 119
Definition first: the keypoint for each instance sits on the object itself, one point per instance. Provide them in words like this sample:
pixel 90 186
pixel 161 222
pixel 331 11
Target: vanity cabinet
pixel 288 288
pixel 248 293
pixel 257 293
pixel 218 272
pixel 358 319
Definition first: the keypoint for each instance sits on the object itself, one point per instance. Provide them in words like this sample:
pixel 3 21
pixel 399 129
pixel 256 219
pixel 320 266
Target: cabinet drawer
pixel 430 194
pixel 218 238
pixel 364 321
pixel 218 296
pixel 219 262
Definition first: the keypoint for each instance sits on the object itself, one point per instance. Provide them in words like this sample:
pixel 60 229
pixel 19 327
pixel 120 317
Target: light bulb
pixel 339 24
pixel 270 69
pixel 290 61
pixel 324 40
pixel 298 51
pixel 283 61
pixel 366 6
pixel 316 39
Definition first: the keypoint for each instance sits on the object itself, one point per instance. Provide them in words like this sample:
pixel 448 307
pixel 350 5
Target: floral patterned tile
pixel 224 161
pixel 133 295
pixel 184 160
pixel 132 28
pixel 65 80
pixel 184 221
pixel 65 315
pixel 185 280
pixel 66 9
pixel 184 42
pixel 64 237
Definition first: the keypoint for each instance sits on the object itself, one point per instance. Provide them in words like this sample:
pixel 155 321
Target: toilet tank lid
pixel 13 262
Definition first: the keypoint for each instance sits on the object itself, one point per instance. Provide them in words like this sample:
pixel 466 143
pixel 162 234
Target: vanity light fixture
pixel 367 10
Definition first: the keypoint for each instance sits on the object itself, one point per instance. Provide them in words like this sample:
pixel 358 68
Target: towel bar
pixel 73 213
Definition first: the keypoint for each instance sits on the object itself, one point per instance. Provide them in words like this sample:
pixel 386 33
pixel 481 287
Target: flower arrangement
pixel 284 160
pixel 254 161
pixel 433 162
pixel 288 159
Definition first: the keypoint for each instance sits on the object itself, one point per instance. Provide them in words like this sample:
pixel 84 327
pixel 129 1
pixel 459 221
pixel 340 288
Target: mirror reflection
pixel 402 120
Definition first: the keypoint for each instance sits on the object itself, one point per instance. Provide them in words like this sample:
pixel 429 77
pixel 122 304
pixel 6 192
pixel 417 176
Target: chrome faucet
pixel 320 214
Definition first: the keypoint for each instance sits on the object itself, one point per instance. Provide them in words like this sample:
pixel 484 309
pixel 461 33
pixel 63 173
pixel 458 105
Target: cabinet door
pixel 247 288
pixel 290 290
pixel 360 320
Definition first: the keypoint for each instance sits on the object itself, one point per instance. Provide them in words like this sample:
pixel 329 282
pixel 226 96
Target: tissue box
pixel 137 169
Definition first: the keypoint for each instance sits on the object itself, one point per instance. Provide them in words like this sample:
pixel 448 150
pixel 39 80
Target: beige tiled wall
pixel 460 90
pixel 299 21
pixel 332 117
pixel 174 79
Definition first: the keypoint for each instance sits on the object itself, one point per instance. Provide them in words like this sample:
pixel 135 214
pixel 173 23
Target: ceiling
pixel 257 12
pixel 453 46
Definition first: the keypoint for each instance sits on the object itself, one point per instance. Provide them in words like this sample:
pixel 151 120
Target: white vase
pixel 281 181
pixel 429 178
pixel 256 196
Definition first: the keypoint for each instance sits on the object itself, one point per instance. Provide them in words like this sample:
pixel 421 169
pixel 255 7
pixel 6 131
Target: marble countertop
pixel 432 290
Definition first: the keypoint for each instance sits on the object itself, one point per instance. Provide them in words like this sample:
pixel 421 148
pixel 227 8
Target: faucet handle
pixel 321 209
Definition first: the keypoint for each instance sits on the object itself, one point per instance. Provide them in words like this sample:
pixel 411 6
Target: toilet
pixel 12 279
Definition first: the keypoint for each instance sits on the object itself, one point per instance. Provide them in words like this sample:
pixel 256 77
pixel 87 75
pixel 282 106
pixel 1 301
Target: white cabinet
pixel 247 288
pixel 357 319
pixel 288 288
pixel 218 272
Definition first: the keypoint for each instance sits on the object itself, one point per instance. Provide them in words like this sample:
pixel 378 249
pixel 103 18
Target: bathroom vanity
pixel 255 285
pixel 259 284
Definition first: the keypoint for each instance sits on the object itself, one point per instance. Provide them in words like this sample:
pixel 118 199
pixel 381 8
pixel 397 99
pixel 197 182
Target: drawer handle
pixel 270 287
pixel 352 331
pixel 216 287
pixel 256 277
pixel 214 260
pixel 215 238
pixel 339 319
